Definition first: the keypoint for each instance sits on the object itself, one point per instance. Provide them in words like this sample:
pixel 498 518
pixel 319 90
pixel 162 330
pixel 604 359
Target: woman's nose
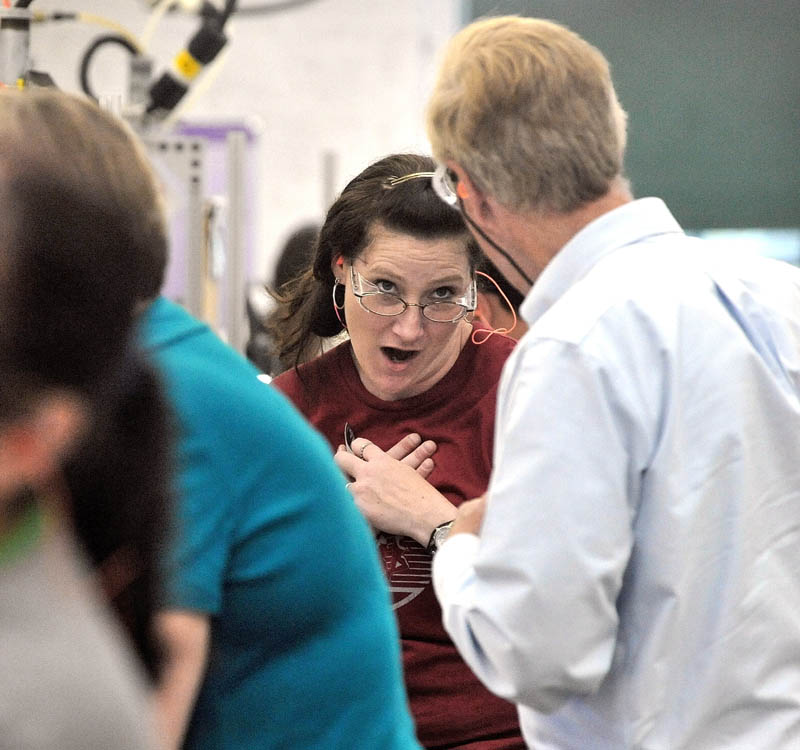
pixel 408 325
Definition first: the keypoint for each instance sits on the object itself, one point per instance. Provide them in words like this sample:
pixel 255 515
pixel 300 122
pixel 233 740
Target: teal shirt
pixel 304 647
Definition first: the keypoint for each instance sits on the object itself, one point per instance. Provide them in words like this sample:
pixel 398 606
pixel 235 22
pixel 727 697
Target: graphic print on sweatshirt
pixel 407 565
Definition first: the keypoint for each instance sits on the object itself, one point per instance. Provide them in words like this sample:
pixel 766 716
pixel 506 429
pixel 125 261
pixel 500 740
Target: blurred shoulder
pixel 201 372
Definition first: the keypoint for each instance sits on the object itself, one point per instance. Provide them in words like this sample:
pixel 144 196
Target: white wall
pixel 343 77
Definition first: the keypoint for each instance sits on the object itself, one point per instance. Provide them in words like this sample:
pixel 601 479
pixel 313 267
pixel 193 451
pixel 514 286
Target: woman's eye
pixel 385 286
pixel 442 293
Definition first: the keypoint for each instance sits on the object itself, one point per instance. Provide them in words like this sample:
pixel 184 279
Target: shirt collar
pixel 632 222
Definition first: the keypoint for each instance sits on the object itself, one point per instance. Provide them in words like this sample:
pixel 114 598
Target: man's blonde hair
pixel 528 109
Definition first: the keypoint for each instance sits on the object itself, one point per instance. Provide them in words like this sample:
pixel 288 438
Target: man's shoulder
pixel 637 285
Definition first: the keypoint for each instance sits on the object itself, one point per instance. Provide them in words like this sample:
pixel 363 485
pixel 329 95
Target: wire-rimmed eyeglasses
pixel 444 185
pixel 389 304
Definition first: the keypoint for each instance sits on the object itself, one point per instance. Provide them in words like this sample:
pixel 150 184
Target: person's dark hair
pixel 119 493
pixel 295 258
pixel 296 255
pixel 305 310
pixel 82 238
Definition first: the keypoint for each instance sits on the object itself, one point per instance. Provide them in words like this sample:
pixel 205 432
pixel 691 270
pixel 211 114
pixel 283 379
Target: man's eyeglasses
pixel 444 185
pixel 374 300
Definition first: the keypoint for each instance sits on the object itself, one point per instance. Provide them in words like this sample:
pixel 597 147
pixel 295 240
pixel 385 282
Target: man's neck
pixel 545 233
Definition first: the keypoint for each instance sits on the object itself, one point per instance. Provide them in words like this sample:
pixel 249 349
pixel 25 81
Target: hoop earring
pixel 337 308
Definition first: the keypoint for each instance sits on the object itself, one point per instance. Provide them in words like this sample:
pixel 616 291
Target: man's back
pixel 709 611
pixel 700 362
pixel 649 448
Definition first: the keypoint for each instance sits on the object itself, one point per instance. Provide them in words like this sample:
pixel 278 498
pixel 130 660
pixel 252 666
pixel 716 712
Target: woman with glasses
pixel 408 404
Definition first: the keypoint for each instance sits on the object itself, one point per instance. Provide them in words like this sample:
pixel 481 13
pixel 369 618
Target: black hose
pixel 230 7
pixel 93 47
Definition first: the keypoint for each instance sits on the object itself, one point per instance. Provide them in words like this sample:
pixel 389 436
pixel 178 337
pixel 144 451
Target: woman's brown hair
pixel 377 196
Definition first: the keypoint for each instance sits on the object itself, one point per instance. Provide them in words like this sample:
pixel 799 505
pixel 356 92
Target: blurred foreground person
pixel 277 623
pixel 633 582
pixel 294 260
pixel 71 216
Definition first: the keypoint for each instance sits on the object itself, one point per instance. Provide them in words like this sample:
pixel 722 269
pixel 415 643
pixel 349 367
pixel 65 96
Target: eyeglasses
pixel 388 304
pixel 444 185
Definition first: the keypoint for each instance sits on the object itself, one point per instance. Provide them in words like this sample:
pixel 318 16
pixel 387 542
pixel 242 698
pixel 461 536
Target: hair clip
pixel 392 181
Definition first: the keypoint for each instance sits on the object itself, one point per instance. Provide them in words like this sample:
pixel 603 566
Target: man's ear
pixel 476 203
pixel 33 446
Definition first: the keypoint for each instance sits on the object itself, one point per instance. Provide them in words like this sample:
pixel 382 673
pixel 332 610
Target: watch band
pixel 438 535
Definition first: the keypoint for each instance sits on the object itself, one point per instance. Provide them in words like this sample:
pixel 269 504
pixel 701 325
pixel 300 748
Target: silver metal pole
pixel 15 34
pixel 236 142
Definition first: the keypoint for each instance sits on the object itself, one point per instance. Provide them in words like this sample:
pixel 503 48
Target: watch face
pixel 440 535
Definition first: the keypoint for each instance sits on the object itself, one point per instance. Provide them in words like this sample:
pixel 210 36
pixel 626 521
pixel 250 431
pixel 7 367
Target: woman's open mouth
pixel 398 355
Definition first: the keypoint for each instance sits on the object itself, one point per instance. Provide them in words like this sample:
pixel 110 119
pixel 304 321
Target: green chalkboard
pixel 712 89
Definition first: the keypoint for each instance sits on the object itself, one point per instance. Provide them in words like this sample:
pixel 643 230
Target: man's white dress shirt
pixel 636 583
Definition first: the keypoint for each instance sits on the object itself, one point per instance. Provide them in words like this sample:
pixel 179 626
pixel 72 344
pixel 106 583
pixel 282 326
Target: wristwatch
pixel 438 535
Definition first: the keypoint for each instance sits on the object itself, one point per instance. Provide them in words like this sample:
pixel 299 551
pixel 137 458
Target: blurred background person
pixel 396 269
pixel 77 198
pixel 294 259
pixel 296 255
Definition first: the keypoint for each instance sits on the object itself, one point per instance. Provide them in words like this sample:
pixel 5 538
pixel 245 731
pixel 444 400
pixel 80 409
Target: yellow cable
pixel 154 19
pixel 113 26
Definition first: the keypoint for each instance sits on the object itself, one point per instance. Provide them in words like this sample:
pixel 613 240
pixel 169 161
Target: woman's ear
pixel 34 446
pixel 337 267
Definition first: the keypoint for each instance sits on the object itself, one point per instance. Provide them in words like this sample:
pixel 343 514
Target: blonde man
pixel 630 578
